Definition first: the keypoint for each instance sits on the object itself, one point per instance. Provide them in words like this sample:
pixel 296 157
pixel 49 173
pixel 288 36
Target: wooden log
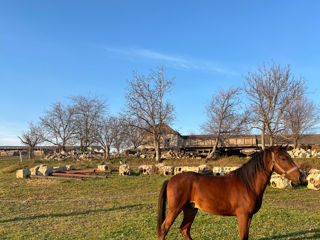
pixel 89 170
pixel 77 175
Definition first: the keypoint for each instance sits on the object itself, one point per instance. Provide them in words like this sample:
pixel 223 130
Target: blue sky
pixel 50 50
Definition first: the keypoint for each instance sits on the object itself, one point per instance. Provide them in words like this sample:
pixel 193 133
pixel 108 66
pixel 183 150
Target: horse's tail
pixel 162 205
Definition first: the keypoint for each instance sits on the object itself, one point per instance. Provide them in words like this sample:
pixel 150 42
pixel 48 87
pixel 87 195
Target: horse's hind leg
pixel 172 214
pixel 189 213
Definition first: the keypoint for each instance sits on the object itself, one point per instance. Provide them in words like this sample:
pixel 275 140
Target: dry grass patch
pixel 42 182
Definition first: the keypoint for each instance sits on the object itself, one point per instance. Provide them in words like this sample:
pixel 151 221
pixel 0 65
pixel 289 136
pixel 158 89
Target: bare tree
pixel 120 135
pixel 88 113
pixel 31 139
pixel 146 102
pixel 106 134
pixel 270 90
pixel 225 116
pixel 133 130
pixel 58 126
pixel 300 116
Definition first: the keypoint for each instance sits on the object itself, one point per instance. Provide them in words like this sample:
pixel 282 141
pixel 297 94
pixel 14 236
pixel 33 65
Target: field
pixel 125 208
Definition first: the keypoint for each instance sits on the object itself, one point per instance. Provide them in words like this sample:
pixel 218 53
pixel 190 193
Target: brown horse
pixel 237 194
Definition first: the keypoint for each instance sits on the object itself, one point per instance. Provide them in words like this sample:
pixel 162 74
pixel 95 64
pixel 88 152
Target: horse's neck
pixel 263 178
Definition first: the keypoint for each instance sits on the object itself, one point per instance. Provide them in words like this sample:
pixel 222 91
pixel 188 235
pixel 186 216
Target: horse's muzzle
pixel 303 178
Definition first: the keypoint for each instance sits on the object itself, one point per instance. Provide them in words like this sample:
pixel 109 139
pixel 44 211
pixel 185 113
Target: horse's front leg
pixel 244 221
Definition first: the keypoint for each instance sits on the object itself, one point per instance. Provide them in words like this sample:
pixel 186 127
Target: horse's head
pixel 283 164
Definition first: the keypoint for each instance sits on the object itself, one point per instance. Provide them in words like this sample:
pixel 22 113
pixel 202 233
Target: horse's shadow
pixel 70 214
pixel 312 234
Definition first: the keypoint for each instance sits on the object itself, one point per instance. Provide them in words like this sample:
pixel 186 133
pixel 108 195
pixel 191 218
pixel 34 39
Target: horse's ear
pixel 285 147
pixel 276 148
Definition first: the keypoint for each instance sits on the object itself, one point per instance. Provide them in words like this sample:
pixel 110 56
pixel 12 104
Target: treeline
pixel 272 100
pixel 83 122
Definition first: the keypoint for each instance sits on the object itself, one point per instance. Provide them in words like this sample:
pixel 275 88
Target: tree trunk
pixel 295 142
pixel 30 153
pixel 157 148
pixel 118 152
pixel 81 145
pixel 214 149
pixel 263 145
pixel 106 155
pixel 271 140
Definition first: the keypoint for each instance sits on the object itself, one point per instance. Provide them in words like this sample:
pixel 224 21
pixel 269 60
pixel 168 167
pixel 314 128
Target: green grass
pixel 125 208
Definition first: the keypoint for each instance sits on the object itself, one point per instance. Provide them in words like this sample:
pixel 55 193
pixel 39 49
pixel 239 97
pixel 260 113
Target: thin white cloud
pixel 175 61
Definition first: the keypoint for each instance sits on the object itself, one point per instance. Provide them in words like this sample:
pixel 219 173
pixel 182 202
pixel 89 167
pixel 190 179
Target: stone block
pixel 45 171
pixel 124 170
pixel 218 171
pixel 103 167
pixel 166 170
pixel 23 173
pixel 147 169
pixel 313 179
pixel 276 181
pixel 59 169
pixel 70 167
pixel 178 170
pixel 34 170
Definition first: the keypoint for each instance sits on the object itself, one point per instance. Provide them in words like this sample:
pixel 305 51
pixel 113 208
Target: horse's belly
pixel 215 209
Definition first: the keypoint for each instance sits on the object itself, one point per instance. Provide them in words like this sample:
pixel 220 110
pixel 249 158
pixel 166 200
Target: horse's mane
pixel 247 172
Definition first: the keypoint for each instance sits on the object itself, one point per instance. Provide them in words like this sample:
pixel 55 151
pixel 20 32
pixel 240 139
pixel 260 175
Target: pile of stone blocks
pixel 170 155
pixel 124 170
pixel 301 153
pixel 75 155
pixel 56 157
pixel 42 170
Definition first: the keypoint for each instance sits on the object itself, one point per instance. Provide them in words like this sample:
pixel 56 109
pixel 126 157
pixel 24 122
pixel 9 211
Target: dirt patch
pixel 42 182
